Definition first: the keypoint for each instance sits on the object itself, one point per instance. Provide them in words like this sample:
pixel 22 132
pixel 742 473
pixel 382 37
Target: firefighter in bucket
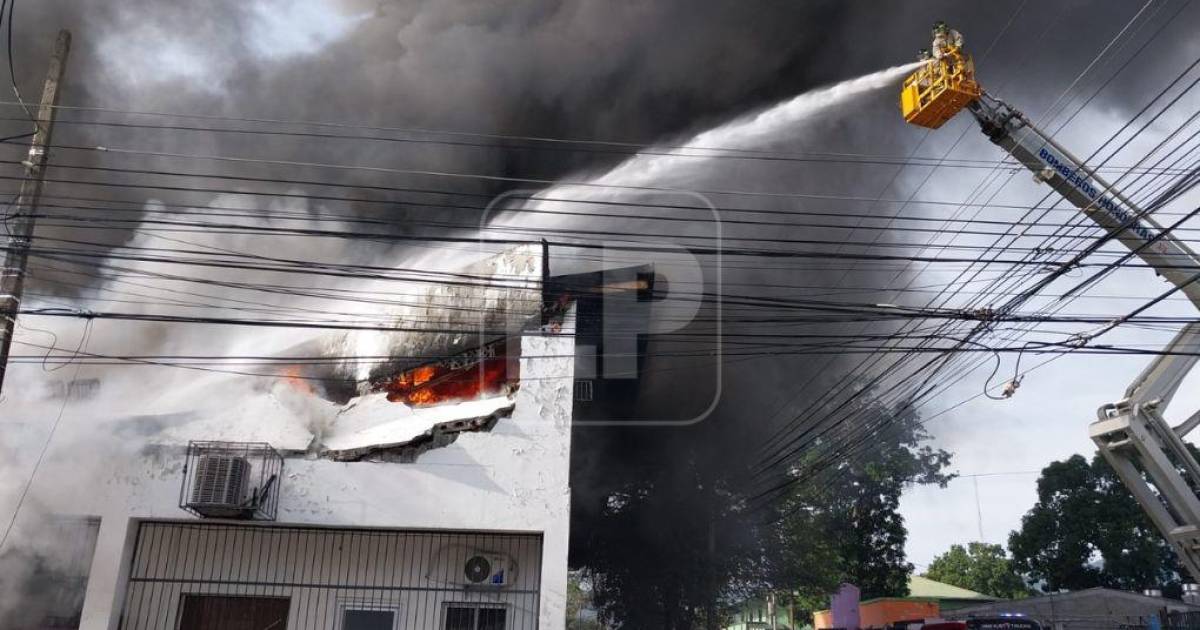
pixel 947 42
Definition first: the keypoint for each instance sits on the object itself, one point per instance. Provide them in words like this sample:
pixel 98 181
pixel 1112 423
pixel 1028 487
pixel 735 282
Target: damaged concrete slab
pixel 372 427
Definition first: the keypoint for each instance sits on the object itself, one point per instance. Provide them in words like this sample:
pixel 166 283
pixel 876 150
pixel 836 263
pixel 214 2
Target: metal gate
pixel 199 575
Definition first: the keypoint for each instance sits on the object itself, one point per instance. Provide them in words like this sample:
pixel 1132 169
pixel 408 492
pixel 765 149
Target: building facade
pixel 437 495
pixel 357 545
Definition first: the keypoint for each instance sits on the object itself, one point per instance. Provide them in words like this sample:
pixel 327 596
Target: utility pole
pixel 20 226
pixel 710 605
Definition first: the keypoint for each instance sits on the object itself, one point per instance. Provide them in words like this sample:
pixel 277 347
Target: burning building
pixel 422 484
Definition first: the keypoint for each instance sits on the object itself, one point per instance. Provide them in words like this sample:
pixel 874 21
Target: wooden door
pixel 233 612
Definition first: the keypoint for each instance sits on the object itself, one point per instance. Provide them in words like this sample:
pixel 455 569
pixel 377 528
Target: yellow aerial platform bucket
pixel 939 90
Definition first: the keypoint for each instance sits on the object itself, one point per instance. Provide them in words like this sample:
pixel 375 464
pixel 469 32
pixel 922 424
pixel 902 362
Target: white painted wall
pixel 322 571
pixel 514 478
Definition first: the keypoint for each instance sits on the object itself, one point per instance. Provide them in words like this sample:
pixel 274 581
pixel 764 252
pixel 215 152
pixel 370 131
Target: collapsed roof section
pixel 372 428
pixel 486 302
pixel 430 384
pixel 449 315
pixel 452 362
pixel 467 319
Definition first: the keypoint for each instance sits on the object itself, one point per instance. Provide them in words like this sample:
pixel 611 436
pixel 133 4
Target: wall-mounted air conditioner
pixel 487 570
pixel 220 485
pixel 231 480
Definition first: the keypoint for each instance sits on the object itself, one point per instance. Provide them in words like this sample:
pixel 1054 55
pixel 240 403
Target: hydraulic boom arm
pixel 1147 453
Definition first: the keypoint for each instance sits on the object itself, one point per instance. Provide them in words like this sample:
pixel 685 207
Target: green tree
pixel 843 523
pixel 1086 530
pixel 579 598
pixel 680 547
pixel 979 567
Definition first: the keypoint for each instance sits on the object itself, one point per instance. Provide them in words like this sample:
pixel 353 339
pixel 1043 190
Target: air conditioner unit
pixel 487 570
pixel 231 480
pixel 219 486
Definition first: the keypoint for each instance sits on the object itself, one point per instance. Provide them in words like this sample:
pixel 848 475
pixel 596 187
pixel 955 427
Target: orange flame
pixel 434 384
pixel 293 375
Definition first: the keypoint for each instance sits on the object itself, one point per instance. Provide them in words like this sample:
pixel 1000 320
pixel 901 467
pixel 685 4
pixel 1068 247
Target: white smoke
pixel 667 172
pixel 681 166
pixel 751 132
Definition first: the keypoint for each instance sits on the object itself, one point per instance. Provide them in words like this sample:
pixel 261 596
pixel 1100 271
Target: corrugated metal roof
pixel 1090 609
pixel 924 587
